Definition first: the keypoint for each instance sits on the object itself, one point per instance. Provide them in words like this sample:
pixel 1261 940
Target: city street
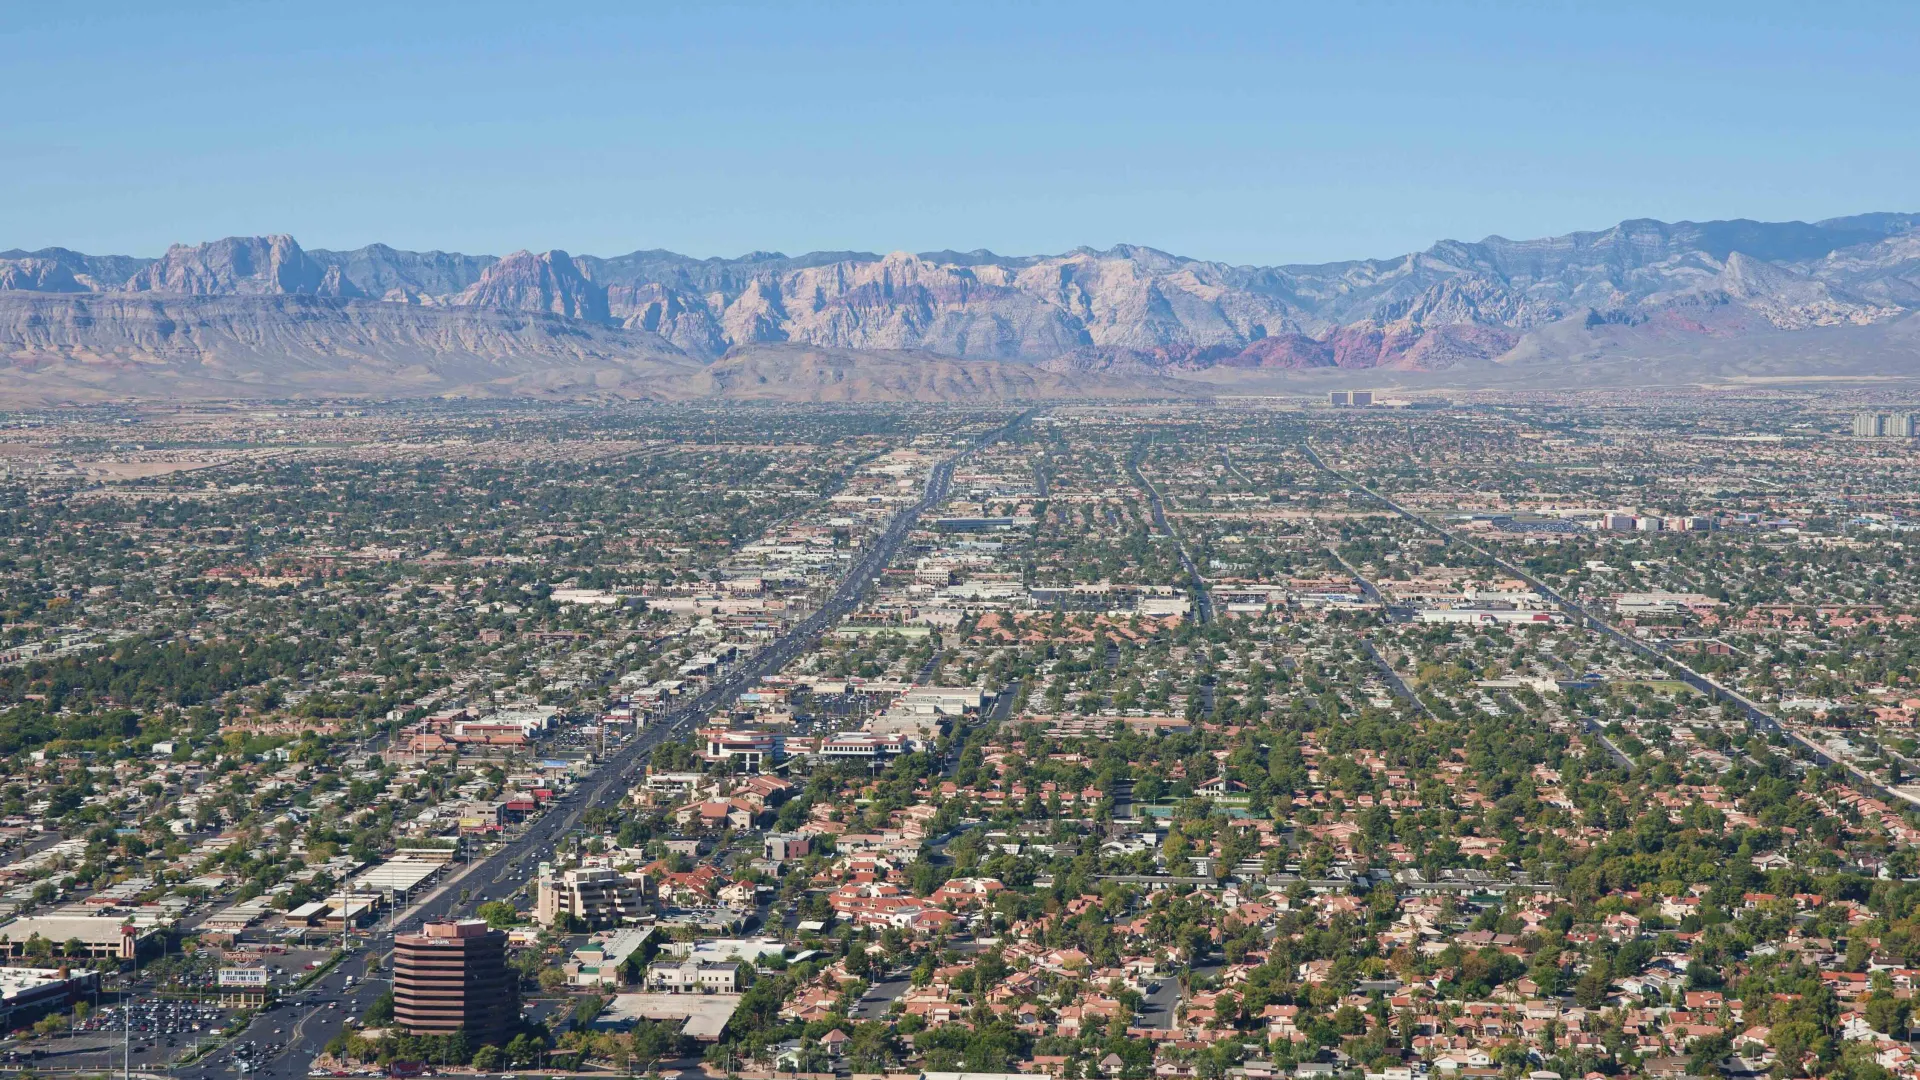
pixel 283 1041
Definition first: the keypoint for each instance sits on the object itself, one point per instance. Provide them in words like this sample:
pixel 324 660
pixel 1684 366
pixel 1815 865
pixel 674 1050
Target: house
pixel 966 892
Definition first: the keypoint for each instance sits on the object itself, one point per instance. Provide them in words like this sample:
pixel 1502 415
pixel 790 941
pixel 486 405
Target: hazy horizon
pixel 883 252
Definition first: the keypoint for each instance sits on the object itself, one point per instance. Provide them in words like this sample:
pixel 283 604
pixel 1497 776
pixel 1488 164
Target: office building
pixel 1362 398
pixel 600 896
pixel 863 746
pixel 1340 397
pixel 454 977
pixel 694 977
pixel 598 963
pixel 748 750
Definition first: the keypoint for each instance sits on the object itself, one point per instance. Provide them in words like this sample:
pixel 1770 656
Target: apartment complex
pixel 1879 425
pixel 454 977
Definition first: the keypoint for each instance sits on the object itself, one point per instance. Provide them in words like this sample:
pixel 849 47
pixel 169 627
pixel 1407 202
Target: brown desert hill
pixel 84 347
pixel 93 347
pixel 1715 345
pixel 1712 345
pixel 811 373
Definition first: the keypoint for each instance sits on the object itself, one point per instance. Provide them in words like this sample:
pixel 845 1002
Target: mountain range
pixel 1642 302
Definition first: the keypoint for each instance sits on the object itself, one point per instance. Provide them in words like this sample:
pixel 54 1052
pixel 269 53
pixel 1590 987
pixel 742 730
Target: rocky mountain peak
pixel 549 281
pixel 34 274
pixel 239 266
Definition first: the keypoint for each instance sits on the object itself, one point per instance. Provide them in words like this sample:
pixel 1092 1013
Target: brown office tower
pixel 454 977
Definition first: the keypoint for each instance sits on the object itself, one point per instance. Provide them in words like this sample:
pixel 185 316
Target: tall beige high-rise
pixel 454 977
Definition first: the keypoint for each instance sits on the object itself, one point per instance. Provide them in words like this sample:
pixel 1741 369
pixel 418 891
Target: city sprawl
pixel 1563 736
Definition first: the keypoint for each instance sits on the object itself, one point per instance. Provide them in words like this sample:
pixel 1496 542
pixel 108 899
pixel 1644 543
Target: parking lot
pixel 148 1035
pixel 158 1020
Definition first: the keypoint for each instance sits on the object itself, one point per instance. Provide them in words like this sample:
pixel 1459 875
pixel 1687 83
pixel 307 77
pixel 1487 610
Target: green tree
pixel 499 914
pixel 1591 990
pixel 1888 1014
pixel 586 1009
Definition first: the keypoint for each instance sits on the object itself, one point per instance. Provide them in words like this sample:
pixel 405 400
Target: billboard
pixel 243 976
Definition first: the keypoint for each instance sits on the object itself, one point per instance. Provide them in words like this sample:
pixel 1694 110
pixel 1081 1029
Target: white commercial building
pixel 694 977
pixel 1485 616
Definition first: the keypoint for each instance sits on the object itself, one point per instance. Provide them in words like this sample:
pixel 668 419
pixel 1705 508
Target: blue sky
pixel 1252 133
